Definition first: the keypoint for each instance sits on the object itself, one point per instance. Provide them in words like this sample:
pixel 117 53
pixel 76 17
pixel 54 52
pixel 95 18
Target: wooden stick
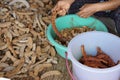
pixel 54 14
pixel 83 51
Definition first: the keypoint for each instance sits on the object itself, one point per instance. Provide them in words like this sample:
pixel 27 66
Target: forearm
pixel 69 1
pixel 108 5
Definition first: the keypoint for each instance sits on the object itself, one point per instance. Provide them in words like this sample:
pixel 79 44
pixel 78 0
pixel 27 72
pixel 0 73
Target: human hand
pixel 88 10
pixel 62 7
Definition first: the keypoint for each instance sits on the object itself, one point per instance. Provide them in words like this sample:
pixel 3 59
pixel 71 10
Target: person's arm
pixel 69 1
pixel 108 5
pixel 89 9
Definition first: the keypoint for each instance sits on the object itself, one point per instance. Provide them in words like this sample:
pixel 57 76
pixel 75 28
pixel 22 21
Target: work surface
pixel 25 52
pixel 60 66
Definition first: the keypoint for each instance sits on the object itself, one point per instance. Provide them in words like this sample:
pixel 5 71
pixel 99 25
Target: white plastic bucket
pixel 108 43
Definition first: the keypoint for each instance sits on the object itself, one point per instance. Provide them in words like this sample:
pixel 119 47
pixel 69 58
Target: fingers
pixel 59 10
pixel 82 12
pixel 84 15
pixel 62 12
pixel 87 10
pixel 82 7
pixel 56 8
pixel 61 7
